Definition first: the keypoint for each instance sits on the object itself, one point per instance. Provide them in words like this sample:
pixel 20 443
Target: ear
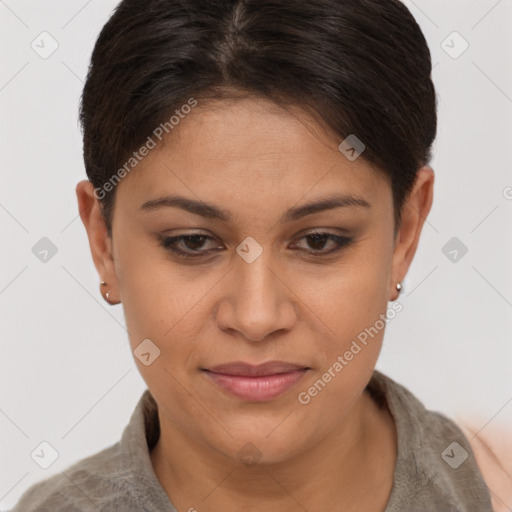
pixel 99 241
pixel 414 213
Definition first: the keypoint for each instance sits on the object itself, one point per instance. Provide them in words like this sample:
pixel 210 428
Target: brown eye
pixel 190 244
pixel 318 240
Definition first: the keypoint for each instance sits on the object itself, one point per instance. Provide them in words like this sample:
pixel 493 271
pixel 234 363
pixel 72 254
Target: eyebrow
pixel 211 211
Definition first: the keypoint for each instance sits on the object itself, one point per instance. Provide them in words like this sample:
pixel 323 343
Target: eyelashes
pixel 170 243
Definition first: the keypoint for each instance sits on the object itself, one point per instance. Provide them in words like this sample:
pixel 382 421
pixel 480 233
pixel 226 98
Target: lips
pixel 248 370
pixel 256 383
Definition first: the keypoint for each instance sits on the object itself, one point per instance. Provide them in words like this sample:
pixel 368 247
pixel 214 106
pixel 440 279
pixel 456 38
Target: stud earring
pixel 106 297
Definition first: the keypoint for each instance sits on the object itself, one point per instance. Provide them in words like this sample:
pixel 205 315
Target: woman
pixel 258 181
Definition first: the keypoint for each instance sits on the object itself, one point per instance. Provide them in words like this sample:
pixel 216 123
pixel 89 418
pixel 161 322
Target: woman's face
pixel 255 285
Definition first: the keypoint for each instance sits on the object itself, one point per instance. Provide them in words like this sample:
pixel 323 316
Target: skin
pixel 257 160
pixel 492 446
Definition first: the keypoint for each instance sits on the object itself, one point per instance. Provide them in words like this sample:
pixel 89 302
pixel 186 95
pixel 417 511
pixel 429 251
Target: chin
pixel 256 447
pixel 255 453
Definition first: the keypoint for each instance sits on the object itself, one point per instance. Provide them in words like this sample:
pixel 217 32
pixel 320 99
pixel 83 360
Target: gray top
pixel 435 469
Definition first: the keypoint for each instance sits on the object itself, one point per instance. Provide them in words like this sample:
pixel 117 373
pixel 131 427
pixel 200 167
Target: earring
pixel 106 297
pixel 398 289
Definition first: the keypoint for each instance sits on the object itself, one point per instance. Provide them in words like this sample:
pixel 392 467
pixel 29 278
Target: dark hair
pixel 359 67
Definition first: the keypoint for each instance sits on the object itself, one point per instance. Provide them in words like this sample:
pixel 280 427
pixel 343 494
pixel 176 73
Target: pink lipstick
pixel 256 383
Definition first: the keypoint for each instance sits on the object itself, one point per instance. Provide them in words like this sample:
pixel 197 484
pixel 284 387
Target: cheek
pixel 349 346
pixel 165 304
pixel 150 287
pixel 349 298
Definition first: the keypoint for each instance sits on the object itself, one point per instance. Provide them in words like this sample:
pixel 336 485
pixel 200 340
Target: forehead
pixel 254 149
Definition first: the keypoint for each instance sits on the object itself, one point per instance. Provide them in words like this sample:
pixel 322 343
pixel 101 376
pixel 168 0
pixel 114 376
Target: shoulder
pixel 87 485
pixel 50 494
pixel 435 462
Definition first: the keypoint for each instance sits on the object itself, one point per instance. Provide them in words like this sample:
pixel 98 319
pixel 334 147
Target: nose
pixel 258 301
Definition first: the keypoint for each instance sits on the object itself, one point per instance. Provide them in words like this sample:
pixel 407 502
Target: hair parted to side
pixel 359 67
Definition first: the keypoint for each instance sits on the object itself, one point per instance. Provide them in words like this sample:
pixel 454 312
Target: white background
pixel 66 372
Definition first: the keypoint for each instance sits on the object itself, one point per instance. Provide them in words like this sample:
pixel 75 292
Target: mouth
pixel 256 383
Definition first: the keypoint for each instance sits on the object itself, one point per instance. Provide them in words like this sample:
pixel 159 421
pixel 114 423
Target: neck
pixel 357 456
